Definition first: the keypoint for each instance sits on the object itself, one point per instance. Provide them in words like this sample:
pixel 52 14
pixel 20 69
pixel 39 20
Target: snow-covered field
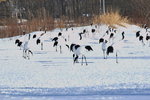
pixel 49 73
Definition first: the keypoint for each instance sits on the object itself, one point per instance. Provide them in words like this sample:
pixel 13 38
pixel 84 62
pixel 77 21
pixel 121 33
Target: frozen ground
pixel 49 73
pixel 92 97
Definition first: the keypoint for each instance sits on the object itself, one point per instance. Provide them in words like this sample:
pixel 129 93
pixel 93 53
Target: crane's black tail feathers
pixel 110 49
pixel 89 48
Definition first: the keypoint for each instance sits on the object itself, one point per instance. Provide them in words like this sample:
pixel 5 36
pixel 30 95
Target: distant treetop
pixel 2 0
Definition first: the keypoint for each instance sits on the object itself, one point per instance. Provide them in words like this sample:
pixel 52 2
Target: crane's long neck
pixel 123 36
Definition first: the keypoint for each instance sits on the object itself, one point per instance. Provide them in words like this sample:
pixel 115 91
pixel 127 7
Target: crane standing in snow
pixel 59 41
pixel 26 50
pixel 24 45
pixel 103 46
pixel 80 50
pixel 39 40
pixel 115 45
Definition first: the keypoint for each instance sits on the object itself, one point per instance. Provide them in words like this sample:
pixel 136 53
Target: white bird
pixel 59 41
pixel 103 43
pixel 115 48
pixel 79 50
pixel 26 50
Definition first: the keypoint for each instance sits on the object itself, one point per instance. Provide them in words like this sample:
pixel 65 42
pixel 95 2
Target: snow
pixel 112 97
pixel 50 73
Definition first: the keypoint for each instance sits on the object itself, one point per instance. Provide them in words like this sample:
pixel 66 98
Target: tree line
pixel 55 8
pixel 73 9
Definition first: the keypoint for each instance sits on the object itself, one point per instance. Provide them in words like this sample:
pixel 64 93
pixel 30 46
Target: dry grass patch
pixel 10 27
pixel 111 19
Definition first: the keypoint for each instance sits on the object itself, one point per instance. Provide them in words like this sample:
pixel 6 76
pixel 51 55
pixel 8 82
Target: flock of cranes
pixel 109 42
